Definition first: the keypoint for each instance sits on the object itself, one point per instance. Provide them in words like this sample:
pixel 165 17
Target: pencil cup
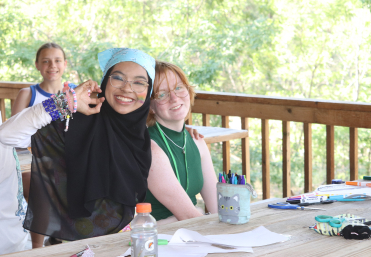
pixel 234 202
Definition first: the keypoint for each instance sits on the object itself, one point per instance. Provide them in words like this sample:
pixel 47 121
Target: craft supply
pixel 159 242
pixel 234 202
pixel 222 246
pixel 350 198
pixel 360 184
pixel 336 222
pixel 367 177
pixel 337 181
pixel 358 232
pixel 288 206
pixel 333 225
pixel 87 252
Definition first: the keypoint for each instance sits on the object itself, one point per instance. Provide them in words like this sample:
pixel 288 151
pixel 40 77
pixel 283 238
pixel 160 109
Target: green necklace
pixel 171 153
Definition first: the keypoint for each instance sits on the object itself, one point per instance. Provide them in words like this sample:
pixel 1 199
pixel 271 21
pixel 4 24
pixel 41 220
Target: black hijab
pixel 108 155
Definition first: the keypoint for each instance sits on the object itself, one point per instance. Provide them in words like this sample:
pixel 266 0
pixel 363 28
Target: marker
pixel 360 184
pixel 159 242
pixel 367 177
pixel 223 180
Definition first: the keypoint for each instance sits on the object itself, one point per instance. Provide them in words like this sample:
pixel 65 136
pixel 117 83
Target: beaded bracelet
pixel 74 100
pixel 57 107
pixel 51 108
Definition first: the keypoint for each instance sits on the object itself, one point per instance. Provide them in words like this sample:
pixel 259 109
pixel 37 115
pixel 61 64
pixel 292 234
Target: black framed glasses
pixel 162 96
pixel 138 86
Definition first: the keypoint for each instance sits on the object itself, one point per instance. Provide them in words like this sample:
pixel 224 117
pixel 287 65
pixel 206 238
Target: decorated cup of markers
pixel 234 200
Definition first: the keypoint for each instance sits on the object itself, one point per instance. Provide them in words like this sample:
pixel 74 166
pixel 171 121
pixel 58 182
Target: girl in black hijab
pixel 87 181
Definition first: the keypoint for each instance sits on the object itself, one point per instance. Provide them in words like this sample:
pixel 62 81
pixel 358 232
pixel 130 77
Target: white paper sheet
pixel 243 241
pixel 257 237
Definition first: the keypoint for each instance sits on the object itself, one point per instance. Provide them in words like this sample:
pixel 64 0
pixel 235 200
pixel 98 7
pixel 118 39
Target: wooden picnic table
pixel 303 242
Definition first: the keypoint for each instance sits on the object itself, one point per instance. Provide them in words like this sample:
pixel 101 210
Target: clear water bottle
pixel 144 233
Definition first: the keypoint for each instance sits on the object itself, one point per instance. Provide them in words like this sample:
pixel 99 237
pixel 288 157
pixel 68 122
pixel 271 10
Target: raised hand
pixel 83 92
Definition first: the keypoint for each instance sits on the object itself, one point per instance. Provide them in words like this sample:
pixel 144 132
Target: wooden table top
pixel 215 134
pixel 304 242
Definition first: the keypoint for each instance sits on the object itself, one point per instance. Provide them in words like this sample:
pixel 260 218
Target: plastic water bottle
pixel 144 233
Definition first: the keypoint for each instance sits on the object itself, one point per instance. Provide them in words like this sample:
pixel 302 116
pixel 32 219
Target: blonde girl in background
pixel 51 62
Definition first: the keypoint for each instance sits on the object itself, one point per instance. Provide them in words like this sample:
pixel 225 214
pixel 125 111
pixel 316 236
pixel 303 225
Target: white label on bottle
pixel 149 245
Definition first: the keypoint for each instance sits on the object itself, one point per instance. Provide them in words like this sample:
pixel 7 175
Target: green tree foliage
pixel 305 49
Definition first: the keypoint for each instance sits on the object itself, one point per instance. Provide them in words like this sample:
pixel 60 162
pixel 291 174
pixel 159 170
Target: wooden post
pixel 245 144
pixel 286 160
pixel 330 152
pixel 307 157
pixel 265 159
pixel 226 147
pixel 206 123
pixel 189 120
pixel 11 104
pixel 206 120
pixel 2 109
pixel 353 153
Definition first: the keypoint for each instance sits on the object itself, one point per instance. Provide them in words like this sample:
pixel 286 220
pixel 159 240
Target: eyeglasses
pixel 162 97
pixel 138 86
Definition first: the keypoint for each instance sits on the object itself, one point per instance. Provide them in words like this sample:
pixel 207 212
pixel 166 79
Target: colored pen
pixel 159 242
pixel 243 180
pixel 361 184
pixel 79 253
pixel 367 177
pixel 223 180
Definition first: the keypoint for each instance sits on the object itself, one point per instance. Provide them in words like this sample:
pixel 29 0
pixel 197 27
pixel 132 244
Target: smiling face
pixel 51 64
pixel 124 100
pixel 176 109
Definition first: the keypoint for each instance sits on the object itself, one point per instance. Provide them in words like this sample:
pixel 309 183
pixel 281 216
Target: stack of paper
pixel 242 241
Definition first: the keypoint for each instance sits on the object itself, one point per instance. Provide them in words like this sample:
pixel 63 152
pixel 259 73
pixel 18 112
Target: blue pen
pixel 235 180
pixel 232 179
pixel 220 177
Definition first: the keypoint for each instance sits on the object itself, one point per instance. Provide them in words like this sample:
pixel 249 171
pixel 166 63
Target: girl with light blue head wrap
pixel 87 181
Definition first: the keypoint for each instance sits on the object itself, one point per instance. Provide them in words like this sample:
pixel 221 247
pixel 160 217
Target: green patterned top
pixel 196 181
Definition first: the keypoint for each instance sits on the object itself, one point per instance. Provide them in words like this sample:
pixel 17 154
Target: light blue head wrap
pixel 110 57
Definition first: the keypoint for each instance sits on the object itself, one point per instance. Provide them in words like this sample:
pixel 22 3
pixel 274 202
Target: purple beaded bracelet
pixel 51 109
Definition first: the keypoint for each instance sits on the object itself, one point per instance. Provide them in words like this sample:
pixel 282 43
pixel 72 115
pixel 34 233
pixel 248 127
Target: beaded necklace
pixel 171 153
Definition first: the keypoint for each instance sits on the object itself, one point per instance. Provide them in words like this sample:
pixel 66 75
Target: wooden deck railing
pixel 307 111
pixel 9 90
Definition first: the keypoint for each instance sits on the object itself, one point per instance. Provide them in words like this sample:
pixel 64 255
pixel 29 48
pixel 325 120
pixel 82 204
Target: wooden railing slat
pixel 330 153
pixel 226 147
pixel 245 147
pixel 206 120
pixel 2 109
pixel 307 157
pixel 265 158
pixel 286 160
pixel 353 153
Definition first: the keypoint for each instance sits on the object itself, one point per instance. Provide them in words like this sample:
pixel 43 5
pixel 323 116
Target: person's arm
pixel 22 101
pixel 208 191
pixel 164 185
pixel 17 130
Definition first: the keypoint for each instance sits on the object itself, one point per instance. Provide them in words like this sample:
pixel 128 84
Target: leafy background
pixel 302 49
